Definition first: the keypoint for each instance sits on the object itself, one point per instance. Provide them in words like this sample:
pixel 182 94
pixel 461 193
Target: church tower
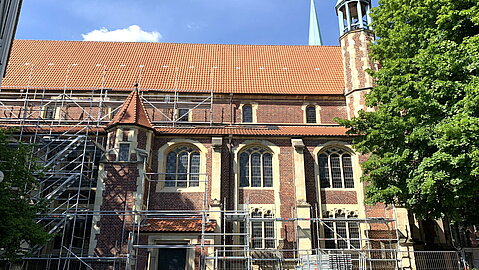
pixel 356 36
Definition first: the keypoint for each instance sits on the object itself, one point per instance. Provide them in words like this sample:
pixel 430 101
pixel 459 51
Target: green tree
pixel 17 212
pixel 423 138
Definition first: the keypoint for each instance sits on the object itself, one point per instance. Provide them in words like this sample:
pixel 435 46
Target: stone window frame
pixel 356 169
pixel 254 108
pixel 317 109
pixel 162 158
pixel 350 230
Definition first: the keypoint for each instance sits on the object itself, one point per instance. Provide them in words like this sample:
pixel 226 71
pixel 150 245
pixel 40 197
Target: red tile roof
pixel 176 225
pixel 287 131
pixel 258 69
pixel 132 112
pixel 260 131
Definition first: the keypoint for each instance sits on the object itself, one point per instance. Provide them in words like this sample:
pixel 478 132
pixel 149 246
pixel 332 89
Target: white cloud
pixel 132 33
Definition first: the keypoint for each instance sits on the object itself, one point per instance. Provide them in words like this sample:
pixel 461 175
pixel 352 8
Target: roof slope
pixel 264 131
pixel 132 112
pixel 261 69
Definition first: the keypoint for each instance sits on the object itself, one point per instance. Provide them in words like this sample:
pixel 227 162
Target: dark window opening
pixel 49 112
pixel 247 114
pixel 124 152
pixel 183 115
pixel 310 114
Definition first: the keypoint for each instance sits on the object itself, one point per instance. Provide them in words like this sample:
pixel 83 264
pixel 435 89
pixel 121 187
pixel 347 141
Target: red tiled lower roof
pixel 260 131
pixel 246 69
pixel 176 225
pixel 306 131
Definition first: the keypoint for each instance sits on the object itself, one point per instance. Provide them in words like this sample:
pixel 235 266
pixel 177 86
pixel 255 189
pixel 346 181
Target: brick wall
pixel 120 184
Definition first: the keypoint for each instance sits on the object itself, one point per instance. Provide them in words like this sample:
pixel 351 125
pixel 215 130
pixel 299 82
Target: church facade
pixel 205 156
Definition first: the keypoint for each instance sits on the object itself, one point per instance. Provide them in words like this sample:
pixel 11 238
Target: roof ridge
pixel 176 43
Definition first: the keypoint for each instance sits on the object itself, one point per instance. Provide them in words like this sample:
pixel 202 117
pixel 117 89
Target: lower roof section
pixel 279 131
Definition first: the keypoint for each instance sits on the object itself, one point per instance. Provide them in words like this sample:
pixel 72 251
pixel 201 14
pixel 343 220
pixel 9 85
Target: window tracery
pixel 256 167
pixel 335 169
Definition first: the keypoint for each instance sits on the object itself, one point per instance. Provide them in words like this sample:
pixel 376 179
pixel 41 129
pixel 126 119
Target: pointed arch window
pixel 335 169
pixel 256 167
pixel 182 167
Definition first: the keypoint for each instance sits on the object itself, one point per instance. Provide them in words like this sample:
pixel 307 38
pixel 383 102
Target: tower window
pixel 182 167
pixel 247 114
pixel 124 153
pixel 335 169
pixel 256 167
pixel 311 114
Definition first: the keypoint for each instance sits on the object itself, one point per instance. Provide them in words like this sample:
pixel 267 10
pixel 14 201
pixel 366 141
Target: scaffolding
pixel 65 127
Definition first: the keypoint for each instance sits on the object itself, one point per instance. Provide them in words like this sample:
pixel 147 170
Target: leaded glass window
pixel 257 230
pixel 262 231
pixel 247 114
pixel 256 167
pixel 269 239
pixel 335 169
pixel 343 233
pixel 311 114
pixel 182 167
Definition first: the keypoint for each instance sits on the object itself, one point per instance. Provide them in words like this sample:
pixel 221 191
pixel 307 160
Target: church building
pixel 207 156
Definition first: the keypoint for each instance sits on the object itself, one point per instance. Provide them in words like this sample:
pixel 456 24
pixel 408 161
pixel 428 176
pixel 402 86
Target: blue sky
pixel 276 22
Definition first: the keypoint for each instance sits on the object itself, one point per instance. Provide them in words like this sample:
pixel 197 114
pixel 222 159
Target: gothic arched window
pixel 256 167
pixel 182 167
pixel 335 169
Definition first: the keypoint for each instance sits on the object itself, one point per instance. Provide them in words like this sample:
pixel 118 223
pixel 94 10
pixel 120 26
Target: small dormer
pixel 353 15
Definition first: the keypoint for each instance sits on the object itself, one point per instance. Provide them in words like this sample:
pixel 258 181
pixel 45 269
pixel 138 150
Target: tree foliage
pixel 18 229
pixel 423 138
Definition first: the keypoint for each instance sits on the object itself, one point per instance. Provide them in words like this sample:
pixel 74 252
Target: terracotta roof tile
pixel 305 131
pixel 132 112
pixel 261 69
pixel 260 131
pixel 176 225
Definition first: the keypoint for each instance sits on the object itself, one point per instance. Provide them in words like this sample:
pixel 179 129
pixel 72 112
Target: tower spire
pixel 314 31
